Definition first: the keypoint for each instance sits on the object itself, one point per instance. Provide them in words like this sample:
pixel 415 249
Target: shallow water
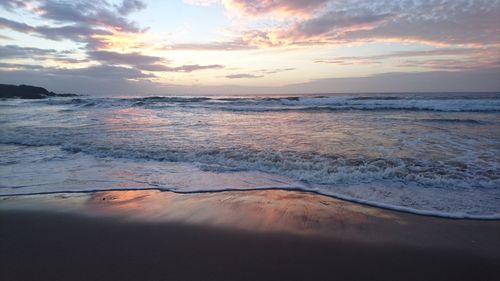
pixel 426 153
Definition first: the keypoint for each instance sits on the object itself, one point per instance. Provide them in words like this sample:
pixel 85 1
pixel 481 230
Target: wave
pixel 309 167
pixel 481 103
pixel 450 120
pixel 453 153
pixel 317 168
pixel 378 98
pixel 76 172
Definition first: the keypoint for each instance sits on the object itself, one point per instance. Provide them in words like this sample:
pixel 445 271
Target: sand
pixel 254 235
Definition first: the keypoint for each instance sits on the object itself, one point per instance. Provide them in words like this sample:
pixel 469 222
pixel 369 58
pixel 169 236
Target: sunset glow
pixel 240 47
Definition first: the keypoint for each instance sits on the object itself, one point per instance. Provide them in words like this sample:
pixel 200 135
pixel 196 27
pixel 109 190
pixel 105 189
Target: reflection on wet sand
pixel 264 210
pixel 271 211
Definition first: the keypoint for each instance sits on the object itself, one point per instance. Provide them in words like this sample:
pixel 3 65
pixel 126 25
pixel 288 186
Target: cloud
pixel 451 64
pixel 83 81
pixel 243 75
pixel 145 62
pixel 276 70
pixel 80 21
pixel 287 7
pixel 78 33
pixel 444 58
pixel 134 58
pixel 11 5
pixel 192 67
pixel 336 23
pixel 201 2
pixel 235 45
pixel 101 72
pixel 94 72
pixel 95 23
pixel 437 22
pixel 17 66
pixel 130 6
pixel 13 51
pixel 16 52
pixel 91 13
pixel 465 35
pixel 262 73
pixel 432 81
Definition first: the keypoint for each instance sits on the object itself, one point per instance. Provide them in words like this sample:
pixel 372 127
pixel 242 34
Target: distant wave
pixel 489 103
pixel 377 98
pixel 449 120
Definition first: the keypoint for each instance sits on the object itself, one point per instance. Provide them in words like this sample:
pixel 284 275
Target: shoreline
pixel 249 235
pixel 262 210
pixel 367 203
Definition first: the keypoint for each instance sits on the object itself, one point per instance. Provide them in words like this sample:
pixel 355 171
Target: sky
pixel 204 47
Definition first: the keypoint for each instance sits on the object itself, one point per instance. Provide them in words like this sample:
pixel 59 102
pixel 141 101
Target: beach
pixel 335 187
pixel 249 140
pixel 246 235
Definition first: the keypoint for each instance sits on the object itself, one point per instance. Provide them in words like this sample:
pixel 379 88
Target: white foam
pixel 85 173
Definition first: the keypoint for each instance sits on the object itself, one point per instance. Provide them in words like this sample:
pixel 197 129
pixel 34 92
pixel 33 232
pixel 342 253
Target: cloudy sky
pixel 139 47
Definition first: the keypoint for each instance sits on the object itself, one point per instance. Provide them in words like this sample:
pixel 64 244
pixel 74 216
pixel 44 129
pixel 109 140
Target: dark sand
pixel 261 235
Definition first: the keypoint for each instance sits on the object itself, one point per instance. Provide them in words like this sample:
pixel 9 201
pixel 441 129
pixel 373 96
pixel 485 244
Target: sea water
pixel 433 153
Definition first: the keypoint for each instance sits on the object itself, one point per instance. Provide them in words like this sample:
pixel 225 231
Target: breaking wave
pixel 481 103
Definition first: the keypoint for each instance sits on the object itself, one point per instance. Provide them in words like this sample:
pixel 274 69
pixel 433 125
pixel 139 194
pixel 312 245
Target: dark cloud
pixel 339 22
pixel 145 62
pixel 454 58
pixel 13 51
pixel 451 64
pixel 130 6
pixel 83 21
pixel 94 72
pixel 79 21
pixel 11 5
pixel 433 81
pixel 78 33
pixel 91 13
pixel 83 82
pixel 134 59
pixel 14 25
pixel 100 72
pixel 439 21
pixel 19 66
pixel 403 54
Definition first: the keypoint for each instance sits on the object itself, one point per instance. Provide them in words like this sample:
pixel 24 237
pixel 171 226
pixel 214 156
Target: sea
pixel 432 154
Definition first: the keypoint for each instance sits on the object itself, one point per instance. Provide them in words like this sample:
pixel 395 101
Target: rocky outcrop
pixel 27 92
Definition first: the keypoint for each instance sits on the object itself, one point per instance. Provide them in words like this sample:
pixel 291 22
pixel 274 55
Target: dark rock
pixel 28 92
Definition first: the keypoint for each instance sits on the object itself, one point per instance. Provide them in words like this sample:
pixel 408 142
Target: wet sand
pixel 254 235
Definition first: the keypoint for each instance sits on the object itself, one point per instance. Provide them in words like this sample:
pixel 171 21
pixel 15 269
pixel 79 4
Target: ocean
pixel 433 154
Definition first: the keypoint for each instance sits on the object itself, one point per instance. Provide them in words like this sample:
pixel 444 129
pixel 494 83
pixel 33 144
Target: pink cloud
pixel 284 7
